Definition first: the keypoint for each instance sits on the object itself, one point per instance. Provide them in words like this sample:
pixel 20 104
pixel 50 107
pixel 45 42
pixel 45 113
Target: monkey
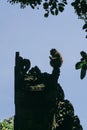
pixel 56 62
pixel 55 58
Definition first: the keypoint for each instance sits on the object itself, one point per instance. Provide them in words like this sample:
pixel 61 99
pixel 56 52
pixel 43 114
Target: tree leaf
pixel 84 26
pixel 78 65
pixel 52 12
pixel 61 8
pixel 83 54
pixel 46 15
pixel 83 73
pixel 61 4
pixel 45 5
pixel 56 12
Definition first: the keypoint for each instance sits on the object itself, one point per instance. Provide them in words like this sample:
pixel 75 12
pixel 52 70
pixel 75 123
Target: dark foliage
pixel 82 64
pixel 50 6
pixel 55 6
pixel 80 7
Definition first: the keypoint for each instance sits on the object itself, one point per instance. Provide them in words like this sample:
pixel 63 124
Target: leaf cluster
pixel 24 3
pixel 65 113
pixel 6 124
pixel 50 6
pixel 53 7
pixel 80 7
pixel 82 64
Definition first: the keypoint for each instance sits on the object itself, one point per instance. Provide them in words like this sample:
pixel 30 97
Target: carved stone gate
pixel 39 99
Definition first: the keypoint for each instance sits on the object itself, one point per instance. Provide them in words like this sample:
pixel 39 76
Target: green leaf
pixel 61 8
pixel 84 26
pixel 32 6
pixel 73 3
pixel 85 66
pixel 83 54
pixel 45 5
pixel 52 12
pixel 46 15
pixel 61 4
pixel 56 12
pixel 83 73
pixel 78 65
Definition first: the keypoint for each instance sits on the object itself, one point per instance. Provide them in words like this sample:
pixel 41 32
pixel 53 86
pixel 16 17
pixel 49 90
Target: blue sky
pixel 27 31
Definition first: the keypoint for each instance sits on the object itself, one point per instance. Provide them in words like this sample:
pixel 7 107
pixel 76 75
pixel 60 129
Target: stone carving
pixel 39 99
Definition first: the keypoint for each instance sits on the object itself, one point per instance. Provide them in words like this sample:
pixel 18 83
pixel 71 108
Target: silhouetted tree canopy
pixel 80 7
pixel 50 6
pixel 55 6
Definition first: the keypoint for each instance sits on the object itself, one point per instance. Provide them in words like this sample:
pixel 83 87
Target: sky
pixel 28 32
